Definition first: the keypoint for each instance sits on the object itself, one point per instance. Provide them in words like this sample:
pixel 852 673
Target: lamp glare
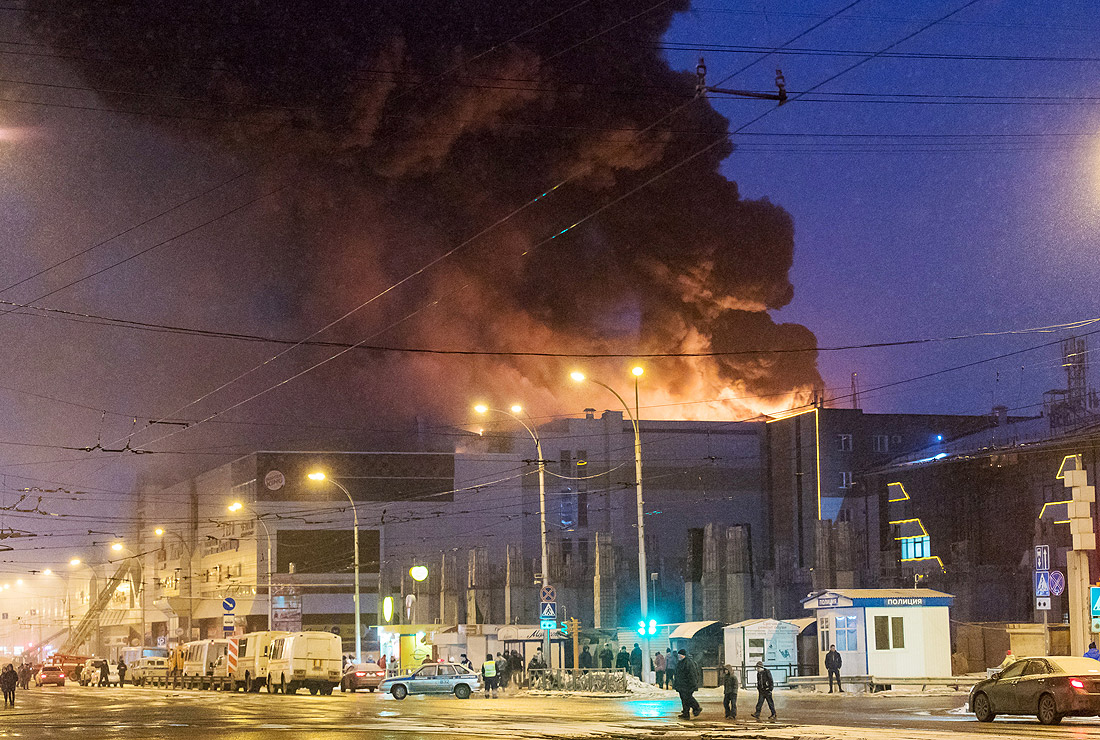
pixel 316 476
pixel 516 408
pixel 577 376
pixel 638 371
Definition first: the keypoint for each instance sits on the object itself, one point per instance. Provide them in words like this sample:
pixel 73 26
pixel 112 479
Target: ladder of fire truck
pixel 90 619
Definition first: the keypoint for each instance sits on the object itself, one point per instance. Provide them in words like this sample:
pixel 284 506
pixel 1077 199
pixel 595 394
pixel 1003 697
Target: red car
pixel 362 676
pixel 50 674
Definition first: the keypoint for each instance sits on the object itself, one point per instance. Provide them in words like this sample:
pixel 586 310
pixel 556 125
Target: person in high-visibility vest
pixel 489 675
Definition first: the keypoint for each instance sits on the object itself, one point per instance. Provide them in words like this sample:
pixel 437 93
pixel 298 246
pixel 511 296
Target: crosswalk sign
pixel 1042 583
pixel 1094 600
pixel 549 610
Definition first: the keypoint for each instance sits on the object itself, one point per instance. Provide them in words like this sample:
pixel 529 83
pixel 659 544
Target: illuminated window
pixel 846 479
pixel 846 633
pixel 915 547
pixel 882 443
pixel 844 443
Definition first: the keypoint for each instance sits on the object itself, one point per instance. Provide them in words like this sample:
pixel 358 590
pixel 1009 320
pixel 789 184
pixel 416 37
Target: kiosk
pixel 884 632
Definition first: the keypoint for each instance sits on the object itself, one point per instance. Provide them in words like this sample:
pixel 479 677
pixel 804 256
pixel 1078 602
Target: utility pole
pixel 701 87
pixel 574 629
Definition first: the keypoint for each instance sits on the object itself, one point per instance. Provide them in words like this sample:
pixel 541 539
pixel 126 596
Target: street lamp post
pixel 237 506
pixel 643 590
pixel 516 409
pixel 355 516
pixel 160 532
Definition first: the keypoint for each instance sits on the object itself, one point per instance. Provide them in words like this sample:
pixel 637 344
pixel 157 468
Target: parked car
pixel 1050 688
pixel 362 676
pixel 146 668
pixel 304 659
pixel 89 674
pixel 50 674
pixel 435 678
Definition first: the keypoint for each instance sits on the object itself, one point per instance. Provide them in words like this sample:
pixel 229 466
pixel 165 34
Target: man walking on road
pixel 688 679
pixel 670 668
pixel 729 692
pixel 832 665
pixel 764 686
pixel 636 661
pixel 489 675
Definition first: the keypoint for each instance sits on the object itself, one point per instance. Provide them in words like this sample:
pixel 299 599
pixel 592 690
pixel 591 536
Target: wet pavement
pixel 74 711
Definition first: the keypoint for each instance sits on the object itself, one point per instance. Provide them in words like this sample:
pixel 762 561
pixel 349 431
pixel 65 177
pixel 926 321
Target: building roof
pixel 687 630
pixel 880 593
pixel 753 622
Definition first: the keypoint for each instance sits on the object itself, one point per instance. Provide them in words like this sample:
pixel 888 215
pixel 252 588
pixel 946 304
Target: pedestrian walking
pixel 502 672
pixel 104 674
pixel 515 665
pixel 833 662
pixel 8 680
pixel 622 660
pixel 607 657
pixel 671 661
pixel 24 676
pixel 689 677
pixel 121 672
pixel 489 675
pixel 729 692
pixel 586 659
pixel 1092 652
pixel 636 661
pixel 764 686
pixel 659 667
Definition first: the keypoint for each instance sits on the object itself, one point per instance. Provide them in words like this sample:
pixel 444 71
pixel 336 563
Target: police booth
pixel 885 633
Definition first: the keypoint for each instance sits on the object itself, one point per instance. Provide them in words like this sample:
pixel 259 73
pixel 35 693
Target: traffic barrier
pixel 600 681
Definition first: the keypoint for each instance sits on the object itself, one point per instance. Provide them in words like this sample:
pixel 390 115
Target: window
pixel 889 633
pixel 896 441
pixel 846 479
pixel 428 671
pixel 1036 668
pixel 882 443
pixel 1015 670
pixel 846 633
pixel 824 632
pixel 446 670
pixel 915 547
pixel 844 443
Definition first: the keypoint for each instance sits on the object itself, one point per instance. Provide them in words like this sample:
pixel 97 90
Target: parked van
pixel 305 659
pixel 147 668
pixel 200 656
pixel 253 655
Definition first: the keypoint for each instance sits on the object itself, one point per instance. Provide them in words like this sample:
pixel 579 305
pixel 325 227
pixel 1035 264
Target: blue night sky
pixel 923 237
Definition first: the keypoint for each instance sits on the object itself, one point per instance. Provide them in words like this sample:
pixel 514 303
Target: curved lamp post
pixel 234 508
pixel 643 586
pixel 517 409
pixel 319 476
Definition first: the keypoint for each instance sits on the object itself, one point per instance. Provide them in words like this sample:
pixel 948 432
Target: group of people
pixel 688 677
pixel 497 673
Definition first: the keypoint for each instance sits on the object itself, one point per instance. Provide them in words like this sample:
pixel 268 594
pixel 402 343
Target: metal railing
pixel 593 680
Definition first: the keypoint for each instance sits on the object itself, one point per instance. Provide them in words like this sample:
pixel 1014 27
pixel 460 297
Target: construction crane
pixel 701 87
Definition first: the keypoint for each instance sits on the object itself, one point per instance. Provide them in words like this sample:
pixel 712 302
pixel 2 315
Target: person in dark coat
pixel 121 672
pixel 104 674
pixel 764 686
pixel 729 692
pixel 688 679
pixel 8 680
pixel 622 660
pixel 515 665
pixel 832 665
pixel 502 672
pixel 607 657
pixel 636 661
pixel 670 667
pixel 586 659
pixel 24 672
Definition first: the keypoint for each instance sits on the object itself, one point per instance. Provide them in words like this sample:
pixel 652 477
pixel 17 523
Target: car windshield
pixel 1075 666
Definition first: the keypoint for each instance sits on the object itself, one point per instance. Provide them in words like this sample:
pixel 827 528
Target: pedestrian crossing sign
pixel 1094 600
pixel 1042 583
pixel 549 610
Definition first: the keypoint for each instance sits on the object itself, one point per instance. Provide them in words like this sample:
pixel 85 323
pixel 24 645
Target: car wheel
pixel 371 689
pixel 982 708
pixel 284 688
pixel 1048 710
pixel 313 690
pixel 327 691
pixel 462 691
pixel 399 691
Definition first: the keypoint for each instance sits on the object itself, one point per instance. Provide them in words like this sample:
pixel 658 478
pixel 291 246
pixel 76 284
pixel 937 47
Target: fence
pixel 593 680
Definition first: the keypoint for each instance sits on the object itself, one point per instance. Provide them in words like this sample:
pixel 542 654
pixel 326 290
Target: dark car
pixel 1050 688
pixel 362 676
pixel 50 674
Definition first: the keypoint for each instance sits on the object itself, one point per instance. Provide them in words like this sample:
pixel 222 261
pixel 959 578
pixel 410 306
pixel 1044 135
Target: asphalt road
pixel 130 712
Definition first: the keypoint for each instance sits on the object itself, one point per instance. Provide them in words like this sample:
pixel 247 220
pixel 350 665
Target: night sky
pixel 928 197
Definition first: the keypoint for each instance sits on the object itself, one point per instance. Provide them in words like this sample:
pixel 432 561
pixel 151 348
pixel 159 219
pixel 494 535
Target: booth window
pixel 889 633
pixel 823 630
pixel 846 633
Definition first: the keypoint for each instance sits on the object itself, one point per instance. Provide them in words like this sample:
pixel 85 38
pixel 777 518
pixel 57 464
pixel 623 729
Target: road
pixel 132 712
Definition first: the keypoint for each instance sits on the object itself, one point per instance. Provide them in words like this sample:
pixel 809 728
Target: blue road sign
pixel 548 624
pixel 1042 557
pixel 548 594
pixel 229 603
pixel 1042 583
pixel 549 610
pixel 1094 600
pixel 1057 583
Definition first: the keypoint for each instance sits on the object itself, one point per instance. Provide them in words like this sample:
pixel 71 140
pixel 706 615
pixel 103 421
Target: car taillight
pixel 380 673
pixel 1077 684
pixel 61 675
pixel 360 673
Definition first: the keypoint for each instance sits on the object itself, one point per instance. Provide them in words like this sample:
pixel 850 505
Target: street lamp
pixel 319 476
pixel 643 595
pixel 517 409
pixel 139 584
pixel 234 508
pixel 160 532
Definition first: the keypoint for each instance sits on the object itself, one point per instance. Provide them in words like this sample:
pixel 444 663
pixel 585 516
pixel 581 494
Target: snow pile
pixel 637 688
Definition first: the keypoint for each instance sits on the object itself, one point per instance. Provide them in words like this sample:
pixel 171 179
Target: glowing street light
pixel 418 573
pixel 159 531
pixel 117 547
pixel 74 561
pixel 320 476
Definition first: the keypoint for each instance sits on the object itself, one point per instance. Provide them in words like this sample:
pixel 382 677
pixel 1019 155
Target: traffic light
pixel 653 626
pixel 644 629
pixel 641 628
pixel 565 628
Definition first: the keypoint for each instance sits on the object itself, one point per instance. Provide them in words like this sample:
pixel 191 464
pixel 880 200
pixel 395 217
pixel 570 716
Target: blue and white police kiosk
pixel 884 632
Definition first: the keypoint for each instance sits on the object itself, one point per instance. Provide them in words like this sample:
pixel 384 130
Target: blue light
pixel 939 437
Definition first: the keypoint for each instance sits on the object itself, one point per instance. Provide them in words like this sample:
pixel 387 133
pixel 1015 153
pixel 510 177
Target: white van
pixel 144 669
pixel 309 659
pixel 200 656
pixel 253 653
